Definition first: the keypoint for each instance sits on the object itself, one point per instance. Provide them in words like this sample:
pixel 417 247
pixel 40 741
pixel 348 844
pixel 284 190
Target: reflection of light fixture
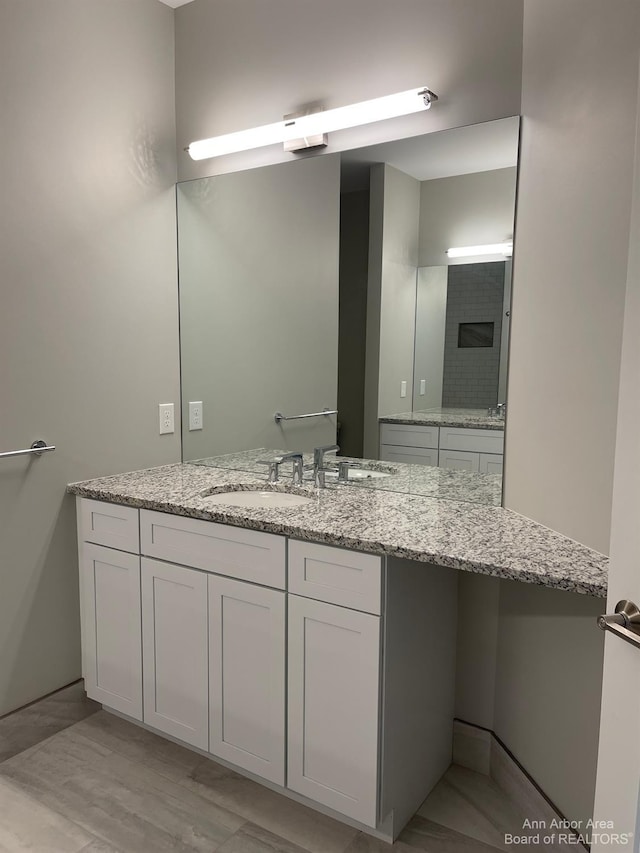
pixel 487 249
pixel 315 124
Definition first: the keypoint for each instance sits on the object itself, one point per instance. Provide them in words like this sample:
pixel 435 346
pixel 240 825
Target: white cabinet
pixel 459 460
pixel 458 448
pixel 335 575
pixel 412 444
pixel 306 686
pixel 334 689
pixel 175 634
pixel 409 455
pixel 247 676
pixel 111 636
pixel 490 463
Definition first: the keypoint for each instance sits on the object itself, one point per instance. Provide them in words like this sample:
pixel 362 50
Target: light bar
pixel 487 249
pixel 366 112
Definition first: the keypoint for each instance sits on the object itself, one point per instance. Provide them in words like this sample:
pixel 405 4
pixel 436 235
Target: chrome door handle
pixel 625 622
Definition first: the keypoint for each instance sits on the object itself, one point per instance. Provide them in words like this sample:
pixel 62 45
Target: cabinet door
pixel 460 460
pixel 247 676
pixel 334 665
pixel 490 463
pixel 409 455
pixel 111 628
pixel 174 640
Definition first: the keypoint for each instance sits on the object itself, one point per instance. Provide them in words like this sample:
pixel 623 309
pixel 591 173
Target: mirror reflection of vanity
pixel 324 284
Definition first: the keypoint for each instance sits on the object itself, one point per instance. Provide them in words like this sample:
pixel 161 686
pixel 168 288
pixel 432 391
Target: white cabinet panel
pixel 490 463
pixel 409 435
pixel 409 455
pixel 112 643
pixel 334 662
pixel 459 460
pixel 108 524
pixel 247 683
pixel 477 440
pixel 244 554
pixel 175 649
pixel 335 575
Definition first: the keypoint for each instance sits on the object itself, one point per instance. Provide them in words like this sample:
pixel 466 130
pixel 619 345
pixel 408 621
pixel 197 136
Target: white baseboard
pixel 480 750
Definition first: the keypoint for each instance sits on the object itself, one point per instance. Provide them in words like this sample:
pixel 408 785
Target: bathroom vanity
pixel 313 647
pixel 458 439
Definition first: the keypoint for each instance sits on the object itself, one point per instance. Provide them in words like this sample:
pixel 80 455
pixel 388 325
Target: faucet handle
pixel 343 469
pixel 319 452
pixel 274 469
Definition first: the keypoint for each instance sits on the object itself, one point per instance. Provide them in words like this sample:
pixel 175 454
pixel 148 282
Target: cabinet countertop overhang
pixel 487 540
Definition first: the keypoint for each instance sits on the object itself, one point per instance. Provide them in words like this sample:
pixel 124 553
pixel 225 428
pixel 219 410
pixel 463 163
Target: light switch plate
pixel 403 388
pixel 423 386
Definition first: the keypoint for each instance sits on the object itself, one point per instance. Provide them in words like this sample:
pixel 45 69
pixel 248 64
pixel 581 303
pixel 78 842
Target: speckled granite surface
pixel 483 539
pixel 424 480
pixel 469 418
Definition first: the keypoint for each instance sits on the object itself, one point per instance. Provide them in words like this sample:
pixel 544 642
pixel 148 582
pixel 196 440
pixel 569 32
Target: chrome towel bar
pixel 36 449
pixel 324 413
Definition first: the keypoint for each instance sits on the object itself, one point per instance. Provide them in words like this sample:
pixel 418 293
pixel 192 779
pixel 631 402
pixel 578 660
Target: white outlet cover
pixel 403 388
pixel 196 420
pixel 166 418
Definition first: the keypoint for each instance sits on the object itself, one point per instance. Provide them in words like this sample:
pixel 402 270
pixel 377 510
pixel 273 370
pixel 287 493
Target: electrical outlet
pixel 423 386
pixel 195 415
pixel 403 388
pixel 166 418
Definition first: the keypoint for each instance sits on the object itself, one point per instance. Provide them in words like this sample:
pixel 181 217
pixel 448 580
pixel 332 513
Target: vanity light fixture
pixel 488 249
pixel 315 124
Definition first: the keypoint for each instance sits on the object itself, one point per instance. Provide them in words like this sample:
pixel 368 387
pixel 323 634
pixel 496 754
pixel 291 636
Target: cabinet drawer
pixel 408 435
pixel 232 551
pixel 409 455
pixel 335 575
pixel 108 524
pixel 460 460
pixel 478 440
pixel 490 463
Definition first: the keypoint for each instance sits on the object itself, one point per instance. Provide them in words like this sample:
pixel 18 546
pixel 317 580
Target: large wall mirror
pixel 324 284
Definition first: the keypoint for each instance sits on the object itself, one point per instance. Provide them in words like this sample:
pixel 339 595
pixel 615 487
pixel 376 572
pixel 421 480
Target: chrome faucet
pixel 318 463
pixel 274 467
pixel 298 468
pixel 345 467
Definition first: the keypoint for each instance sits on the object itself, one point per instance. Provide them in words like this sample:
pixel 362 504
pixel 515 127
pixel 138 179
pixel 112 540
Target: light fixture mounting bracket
pixel 304 143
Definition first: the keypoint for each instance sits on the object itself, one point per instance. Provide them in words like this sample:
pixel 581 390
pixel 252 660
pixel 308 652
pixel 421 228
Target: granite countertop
pixel 427 480
pixel 469 418
pixel 470 537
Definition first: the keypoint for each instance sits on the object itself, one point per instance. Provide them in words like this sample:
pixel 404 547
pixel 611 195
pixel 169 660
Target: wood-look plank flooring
pixel 77 780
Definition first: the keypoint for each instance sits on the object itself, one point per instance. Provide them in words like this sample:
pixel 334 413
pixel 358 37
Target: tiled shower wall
pixel 474 295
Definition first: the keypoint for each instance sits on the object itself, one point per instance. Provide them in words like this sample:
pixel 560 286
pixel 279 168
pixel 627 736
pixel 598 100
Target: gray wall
pixel 569 267
pixel 548 687
pixel 465 210
pixel 239 65
pixel 474 295
pixel 259 305
pixel 431 317
pixel 393 259
pixel 570 270
pixel 88 333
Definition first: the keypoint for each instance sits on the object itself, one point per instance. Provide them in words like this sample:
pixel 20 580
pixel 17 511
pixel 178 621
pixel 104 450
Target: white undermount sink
pixel 258 499
pixel 361 474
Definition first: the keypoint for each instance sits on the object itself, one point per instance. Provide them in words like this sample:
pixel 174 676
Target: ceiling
pixel 460 151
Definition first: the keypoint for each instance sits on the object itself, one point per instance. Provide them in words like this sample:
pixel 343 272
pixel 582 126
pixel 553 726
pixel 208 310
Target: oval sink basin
pixel 258 499
pixel 360 474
